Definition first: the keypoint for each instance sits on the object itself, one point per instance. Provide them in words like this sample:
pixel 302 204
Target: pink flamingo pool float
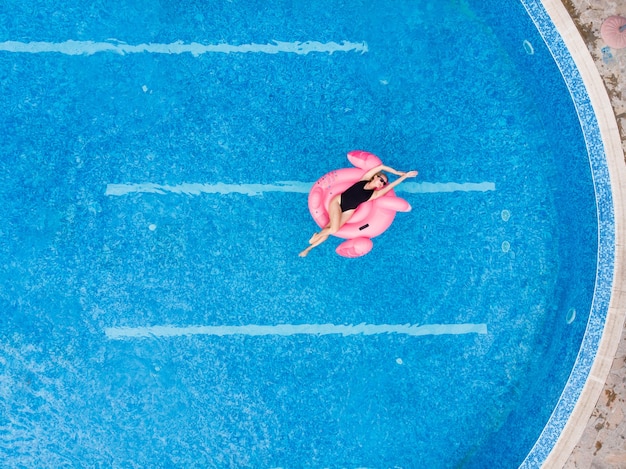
pixel 370 219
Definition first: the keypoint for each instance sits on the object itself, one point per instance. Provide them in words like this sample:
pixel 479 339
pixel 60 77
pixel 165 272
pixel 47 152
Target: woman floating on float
pixel 355 204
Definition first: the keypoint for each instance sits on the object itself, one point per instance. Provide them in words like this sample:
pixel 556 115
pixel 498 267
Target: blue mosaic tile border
pixel 606 236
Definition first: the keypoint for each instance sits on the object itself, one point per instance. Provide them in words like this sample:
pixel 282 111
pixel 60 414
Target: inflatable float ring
pixel 369 219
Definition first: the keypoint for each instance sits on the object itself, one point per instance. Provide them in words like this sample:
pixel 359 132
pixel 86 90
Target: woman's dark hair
pixel 382 175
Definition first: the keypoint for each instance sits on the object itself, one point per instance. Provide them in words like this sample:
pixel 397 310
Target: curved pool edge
pixel 604 329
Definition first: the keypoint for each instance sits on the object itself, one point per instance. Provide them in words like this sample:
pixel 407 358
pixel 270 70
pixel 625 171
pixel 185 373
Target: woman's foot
pixel 304 253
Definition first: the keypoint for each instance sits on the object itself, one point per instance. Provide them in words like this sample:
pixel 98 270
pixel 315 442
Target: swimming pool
pixel 154 180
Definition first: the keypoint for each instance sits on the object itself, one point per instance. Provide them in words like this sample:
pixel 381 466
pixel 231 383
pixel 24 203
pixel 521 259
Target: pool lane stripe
pixel 198 188
pixel 281 186
pixel 179 47
pixel 117 333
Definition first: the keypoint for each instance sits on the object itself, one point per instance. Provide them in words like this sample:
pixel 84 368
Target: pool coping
pixel 578 401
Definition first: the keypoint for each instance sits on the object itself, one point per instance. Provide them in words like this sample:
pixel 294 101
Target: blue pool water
pixel 153 182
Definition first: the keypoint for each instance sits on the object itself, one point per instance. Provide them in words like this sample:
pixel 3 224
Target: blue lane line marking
pixel 116 333
pixel 178 47
pixel 281 186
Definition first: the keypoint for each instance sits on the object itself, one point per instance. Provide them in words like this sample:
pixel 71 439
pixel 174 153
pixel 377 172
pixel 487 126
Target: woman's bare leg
pixel 334 222
pixel 320 239
pixel 316 235
pixel 337 220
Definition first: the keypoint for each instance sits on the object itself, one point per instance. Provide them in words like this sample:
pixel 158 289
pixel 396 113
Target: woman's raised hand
pixel 411 174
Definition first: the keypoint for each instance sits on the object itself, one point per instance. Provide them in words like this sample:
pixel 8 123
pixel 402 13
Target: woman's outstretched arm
pixel 377 169
pixel 388 187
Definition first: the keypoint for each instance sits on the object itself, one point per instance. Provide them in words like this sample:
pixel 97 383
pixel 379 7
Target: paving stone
pixel 603 443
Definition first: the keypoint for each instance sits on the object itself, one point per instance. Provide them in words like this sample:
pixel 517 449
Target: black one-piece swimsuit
pixel 355 195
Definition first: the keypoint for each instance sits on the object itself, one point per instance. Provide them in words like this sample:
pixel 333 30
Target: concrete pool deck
pixel 595 436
